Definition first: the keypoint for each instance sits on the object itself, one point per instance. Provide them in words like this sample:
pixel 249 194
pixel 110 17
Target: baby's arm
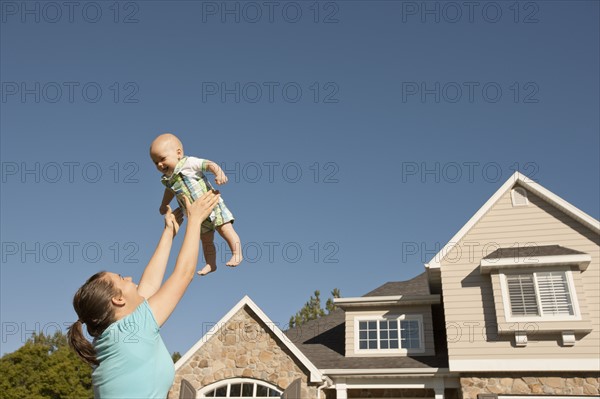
pixel 220 177
pixel 167 198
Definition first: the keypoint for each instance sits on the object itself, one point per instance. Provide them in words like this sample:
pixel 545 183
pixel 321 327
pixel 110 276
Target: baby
pixel 183 176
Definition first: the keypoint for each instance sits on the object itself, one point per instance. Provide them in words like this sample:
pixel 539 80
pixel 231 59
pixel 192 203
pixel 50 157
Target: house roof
pixel 246 302
pixel 323 340
pixel 517 179
pixel 415 286
pixel 544 250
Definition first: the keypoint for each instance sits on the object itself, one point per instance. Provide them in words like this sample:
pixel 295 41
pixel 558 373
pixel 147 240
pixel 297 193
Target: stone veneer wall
pixel 243 347
pixel 531 385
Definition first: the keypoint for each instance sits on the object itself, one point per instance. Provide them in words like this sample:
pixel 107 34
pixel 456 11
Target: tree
pixel 176 356
pixel 330 306
pixel 312 309
pixel 45 368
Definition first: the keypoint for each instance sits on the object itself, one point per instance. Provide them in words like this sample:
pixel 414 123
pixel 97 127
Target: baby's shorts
pixel 222 216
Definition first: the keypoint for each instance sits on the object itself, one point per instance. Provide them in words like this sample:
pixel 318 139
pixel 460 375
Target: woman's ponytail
pixel 81 345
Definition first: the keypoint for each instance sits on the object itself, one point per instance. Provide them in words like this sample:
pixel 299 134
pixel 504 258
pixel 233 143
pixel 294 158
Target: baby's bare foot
pixel 207 269
pixel 235 260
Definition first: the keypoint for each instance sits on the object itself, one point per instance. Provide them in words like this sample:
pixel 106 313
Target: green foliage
pixel 45 368
pixel 176 356
pixel 330 306
pixel 312 309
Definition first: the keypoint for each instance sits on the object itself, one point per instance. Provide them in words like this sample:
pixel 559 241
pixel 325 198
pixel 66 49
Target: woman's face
pixel 126 285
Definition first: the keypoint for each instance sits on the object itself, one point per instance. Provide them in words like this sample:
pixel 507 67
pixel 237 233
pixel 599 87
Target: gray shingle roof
pixel 415 286
pixel 323 340
pixel 532 251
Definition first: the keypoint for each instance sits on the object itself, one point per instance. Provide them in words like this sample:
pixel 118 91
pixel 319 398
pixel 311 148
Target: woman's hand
pixel 173 219
pixel 202 207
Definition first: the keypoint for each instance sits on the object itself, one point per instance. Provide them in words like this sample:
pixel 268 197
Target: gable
pixel 553 205
pixel 241 346
pixel 479 335
pixel 245 343
pixel 532 226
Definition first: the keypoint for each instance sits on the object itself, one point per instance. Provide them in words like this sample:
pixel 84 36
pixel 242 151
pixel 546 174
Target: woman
pixel 129 357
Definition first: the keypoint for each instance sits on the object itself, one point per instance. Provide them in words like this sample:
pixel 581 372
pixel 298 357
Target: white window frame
pixel 399 318
pixel 229 381
pixel 506 300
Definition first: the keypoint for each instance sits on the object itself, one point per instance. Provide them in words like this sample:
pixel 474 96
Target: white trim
pixel 520 339
pixel 315 374
pixel 568 338
pixel 488 265
pixel 389 300
pixel 414 381
pixel 341 391
pixel 512 364
pixel 566 318
pixel 399 351
pixel 530 185
pixel 237 380
pixel 427 371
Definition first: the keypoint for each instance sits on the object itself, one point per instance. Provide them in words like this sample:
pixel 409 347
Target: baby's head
pixel 166 150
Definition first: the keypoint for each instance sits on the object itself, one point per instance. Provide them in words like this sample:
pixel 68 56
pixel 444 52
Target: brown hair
pixel 93 305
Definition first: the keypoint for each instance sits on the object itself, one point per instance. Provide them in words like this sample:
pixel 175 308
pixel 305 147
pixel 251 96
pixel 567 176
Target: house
pixel 521 289
pixel 510 306
pixel 246 354
pixel 387 343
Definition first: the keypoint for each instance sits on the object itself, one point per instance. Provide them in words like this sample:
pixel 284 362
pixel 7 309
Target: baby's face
pixel 165 156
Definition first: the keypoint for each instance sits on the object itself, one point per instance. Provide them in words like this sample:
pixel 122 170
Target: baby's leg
pixel 210 253
pixel 233 240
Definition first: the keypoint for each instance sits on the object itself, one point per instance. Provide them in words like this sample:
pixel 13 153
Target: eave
pixel 394 300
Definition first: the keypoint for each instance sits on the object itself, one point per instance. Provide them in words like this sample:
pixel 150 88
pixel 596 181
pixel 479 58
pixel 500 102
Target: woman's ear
pixel 118 300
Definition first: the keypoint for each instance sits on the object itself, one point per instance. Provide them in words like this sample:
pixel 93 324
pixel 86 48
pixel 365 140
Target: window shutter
pixel 187 390
pixel 554 293
pixel 521 291
pixel 293 391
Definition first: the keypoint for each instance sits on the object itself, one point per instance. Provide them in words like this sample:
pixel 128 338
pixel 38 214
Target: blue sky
pixel 352 132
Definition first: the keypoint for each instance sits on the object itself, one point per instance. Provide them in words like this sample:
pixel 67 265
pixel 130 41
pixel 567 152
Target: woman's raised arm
pixel 164 301
pixel 155 270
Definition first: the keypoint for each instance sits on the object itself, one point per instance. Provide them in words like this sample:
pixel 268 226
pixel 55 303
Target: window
pixel 395 334
pixel 410 334
pixel 539 294
pixel 241 388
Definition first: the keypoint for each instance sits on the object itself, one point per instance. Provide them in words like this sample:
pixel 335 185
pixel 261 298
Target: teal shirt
pixel 134 362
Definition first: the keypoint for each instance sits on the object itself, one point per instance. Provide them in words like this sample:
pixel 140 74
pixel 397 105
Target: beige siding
pixel 424 311
pixel 471 310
